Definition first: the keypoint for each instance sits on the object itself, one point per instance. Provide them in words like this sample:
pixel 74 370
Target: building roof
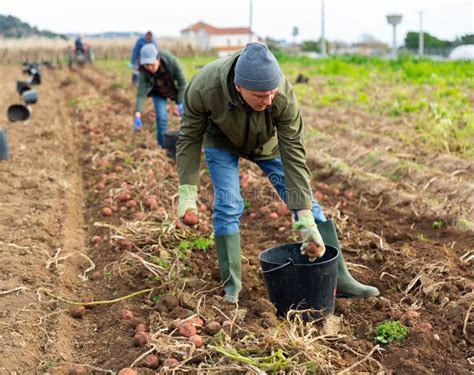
pixel 217 30
pixel 228 48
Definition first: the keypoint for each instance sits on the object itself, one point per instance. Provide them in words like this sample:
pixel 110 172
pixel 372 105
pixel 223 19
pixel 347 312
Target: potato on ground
pixel 196 340
pixel 187 330
pixel 77 311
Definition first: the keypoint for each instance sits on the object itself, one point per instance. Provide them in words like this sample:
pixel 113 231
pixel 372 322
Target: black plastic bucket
pixel 169 142
pixel 3 145
pixel 22 86
pixel 18 112
pixel 293 282
pixel 30 96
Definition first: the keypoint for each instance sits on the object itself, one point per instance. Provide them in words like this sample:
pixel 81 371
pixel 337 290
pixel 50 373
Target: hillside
pixel 12 27
pixel 108 35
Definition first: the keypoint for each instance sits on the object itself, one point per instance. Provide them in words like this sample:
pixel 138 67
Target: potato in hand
pixel 190 218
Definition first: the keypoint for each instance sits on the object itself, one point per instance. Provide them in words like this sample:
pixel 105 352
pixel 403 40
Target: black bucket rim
pixel 26 111
pixel 30 96
pixel 22 86
pixel 337 253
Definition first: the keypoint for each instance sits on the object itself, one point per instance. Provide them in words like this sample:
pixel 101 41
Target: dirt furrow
pixel 41 217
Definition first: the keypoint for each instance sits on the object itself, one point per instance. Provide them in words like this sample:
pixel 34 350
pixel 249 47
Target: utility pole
pixel 250 21
pixel 421 37
pixel 323 38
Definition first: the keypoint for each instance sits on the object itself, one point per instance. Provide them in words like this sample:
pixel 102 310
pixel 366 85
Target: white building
pixel 225 40
pixel 463 52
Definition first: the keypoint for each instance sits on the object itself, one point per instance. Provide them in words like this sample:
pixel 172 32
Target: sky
pixel 345 20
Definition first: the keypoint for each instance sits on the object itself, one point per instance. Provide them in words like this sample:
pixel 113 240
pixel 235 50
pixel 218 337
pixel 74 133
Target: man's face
pixel 148 37
pixel 152 68
pixel 257 100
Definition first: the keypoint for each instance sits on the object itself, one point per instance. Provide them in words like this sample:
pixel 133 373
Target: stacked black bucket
pixel 22 111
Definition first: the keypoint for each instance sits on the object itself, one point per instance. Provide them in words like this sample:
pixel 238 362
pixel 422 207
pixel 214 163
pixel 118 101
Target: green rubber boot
pixel 347 286
pixel 228 255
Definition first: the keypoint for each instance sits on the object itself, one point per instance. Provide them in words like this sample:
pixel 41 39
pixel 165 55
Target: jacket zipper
pixel 247 128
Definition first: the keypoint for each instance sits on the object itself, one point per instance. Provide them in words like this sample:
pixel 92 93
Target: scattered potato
pixel 151 361
pixel 213 327
pixel 196 340
pixel 140 339
pixel 95 239
pixel 77 311
pixel 126 314
pixel 349 194
pixel 283 209
pixel 424 326
pixel 96 275
pixel 151 203
pixel 273 216
pixel 106 211
pixel 125 244
pixel 131 203
pixel 187 330
pixel 318 196
pixel 123 197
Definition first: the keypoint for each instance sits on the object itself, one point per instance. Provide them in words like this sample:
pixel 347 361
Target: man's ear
pixel 238 88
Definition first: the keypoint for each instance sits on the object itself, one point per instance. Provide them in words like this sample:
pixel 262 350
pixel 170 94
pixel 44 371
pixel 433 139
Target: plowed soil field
pixel 88 218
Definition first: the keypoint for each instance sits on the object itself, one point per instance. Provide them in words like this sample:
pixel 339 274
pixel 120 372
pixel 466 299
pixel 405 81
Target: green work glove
pixel 187 200
pixel 313 244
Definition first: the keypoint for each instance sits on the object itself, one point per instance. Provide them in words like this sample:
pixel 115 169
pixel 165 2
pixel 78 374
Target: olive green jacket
pixel 215 116
pixel 145 80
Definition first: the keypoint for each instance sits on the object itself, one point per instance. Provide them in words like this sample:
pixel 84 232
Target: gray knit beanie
pixel 257 69
pixel 148 54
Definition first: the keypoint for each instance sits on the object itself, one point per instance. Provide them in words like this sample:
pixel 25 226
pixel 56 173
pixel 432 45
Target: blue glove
pixel 137 123
pixel 131 65
pixel 180 108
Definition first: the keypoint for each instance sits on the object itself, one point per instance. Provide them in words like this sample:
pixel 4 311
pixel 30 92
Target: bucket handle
pixel 290 261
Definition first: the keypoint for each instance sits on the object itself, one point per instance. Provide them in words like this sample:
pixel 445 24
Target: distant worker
pixel 161 77
pixel 135 58
pixel 78 44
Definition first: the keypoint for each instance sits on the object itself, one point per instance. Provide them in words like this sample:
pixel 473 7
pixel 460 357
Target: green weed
pixel 437 224
pixel 108 276
pixel 390 331
pixel 201 243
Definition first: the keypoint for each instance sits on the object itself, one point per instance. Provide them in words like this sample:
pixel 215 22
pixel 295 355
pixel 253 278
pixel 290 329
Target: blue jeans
pixel 228 203
pixel 161 118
